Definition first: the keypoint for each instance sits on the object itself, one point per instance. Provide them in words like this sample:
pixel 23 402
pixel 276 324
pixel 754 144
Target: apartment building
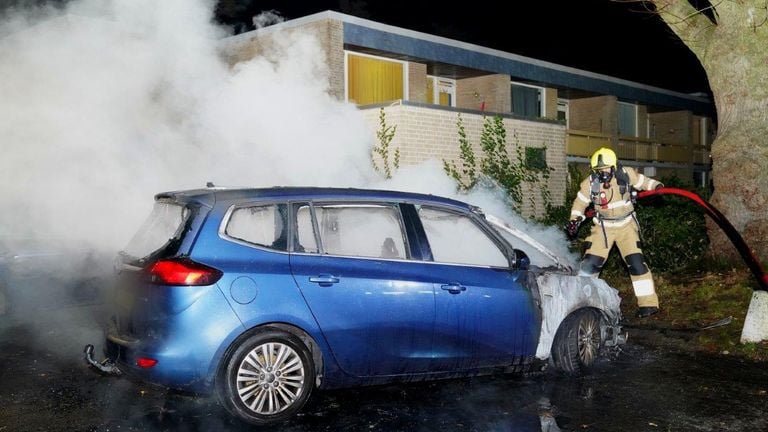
pixel 559 114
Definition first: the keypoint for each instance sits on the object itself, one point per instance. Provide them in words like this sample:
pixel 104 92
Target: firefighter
pixel 610 189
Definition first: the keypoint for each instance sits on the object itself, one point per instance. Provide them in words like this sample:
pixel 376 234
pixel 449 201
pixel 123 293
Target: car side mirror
pixel 522 262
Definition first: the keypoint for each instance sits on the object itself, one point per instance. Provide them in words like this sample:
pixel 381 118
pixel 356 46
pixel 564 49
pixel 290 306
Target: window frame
pixel 347 53
pixel 435 79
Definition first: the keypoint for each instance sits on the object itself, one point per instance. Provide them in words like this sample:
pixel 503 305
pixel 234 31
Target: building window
pixel 373 80
pixel 527 100
pixel 441 91
pixel 562 111
pixel 627 119
pixel 701 179
pixel 536 158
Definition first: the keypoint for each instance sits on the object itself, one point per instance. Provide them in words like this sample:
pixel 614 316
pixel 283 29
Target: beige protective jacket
pixel 611 204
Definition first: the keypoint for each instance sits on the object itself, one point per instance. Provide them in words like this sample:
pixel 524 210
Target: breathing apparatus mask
pixel 604 176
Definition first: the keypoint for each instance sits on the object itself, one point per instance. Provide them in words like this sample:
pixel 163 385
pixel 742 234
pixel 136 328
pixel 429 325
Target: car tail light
pixel 145 362
pixel 181 271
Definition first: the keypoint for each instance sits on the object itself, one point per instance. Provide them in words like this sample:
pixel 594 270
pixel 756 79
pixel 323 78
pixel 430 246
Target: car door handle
pixel 453 288
pixel 324 280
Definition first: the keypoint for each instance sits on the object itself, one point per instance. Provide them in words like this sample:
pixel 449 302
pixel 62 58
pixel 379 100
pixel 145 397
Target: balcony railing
pixel 584 144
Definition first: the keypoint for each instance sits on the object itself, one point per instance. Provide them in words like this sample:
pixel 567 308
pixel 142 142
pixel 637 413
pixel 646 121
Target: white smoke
pixel 107 102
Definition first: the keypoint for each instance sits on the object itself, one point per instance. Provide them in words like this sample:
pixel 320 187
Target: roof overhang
pixel 455 59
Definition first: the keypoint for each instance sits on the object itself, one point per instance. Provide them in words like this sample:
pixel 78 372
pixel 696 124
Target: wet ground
pixel 46 386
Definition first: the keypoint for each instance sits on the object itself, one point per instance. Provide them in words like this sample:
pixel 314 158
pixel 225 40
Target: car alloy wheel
pixel 267 377
pixel 588 338
pixel 270 378
pixel 578 342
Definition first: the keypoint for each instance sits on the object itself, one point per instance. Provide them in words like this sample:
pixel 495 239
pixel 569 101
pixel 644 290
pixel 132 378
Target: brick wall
pixel 671 127
pixel 550 103
pixel 417 82
pixel 594 114
pixel 486 93
pixel 329 34
pixel 431 133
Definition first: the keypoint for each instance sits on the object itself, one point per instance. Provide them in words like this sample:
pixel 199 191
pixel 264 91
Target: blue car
pixel 262 296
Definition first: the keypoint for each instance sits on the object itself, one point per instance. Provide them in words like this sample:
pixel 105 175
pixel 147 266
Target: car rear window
pixel 164 223
pixel 263 225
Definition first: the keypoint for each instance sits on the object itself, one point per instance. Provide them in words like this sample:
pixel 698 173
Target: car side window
pixel 361 230
pixel 305 231
pixel 261 225
pixel 456 239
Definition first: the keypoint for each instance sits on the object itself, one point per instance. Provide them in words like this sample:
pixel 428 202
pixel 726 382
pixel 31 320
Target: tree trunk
pixel 734 54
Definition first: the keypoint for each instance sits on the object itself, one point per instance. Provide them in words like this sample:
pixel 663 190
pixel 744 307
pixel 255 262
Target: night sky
pixel 611 37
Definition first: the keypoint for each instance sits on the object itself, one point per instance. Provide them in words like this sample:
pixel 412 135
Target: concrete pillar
pixel 756 324
pixel 550 103
pixel 417 82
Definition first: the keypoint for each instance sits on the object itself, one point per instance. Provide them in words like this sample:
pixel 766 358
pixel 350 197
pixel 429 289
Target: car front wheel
pixel 577 343
pixel 267 378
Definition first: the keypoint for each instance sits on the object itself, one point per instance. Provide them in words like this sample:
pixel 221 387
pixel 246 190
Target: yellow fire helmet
pixel 603 158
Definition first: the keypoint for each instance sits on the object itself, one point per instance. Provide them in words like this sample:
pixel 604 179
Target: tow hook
pixel 106 366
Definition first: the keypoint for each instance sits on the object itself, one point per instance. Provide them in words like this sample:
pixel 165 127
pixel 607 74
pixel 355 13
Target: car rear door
pixel 484 316
pixel 374 306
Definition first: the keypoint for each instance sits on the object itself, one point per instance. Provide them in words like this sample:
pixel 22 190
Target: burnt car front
pixel 580 315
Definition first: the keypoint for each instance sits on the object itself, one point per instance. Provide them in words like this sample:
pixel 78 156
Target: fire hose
pixel 746 253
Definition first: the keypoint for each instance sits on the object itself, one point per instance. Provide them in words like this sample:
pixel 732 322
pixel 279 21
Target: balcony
pixel 583 144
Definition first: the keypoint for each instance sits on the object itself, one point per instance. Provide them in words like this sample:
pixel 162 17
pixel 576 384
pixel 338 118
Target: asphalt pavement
pixel 46 386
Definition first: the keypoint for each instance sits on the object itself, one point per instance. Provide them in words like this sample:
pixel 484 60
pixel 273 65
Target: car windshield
pixel 539 254
pixel 163 224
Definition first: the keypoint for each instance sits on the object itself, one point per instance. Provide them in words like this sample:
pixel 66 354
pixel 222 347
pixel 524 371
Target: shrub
pixel 558 215
pixel 673 230
pixel 496 165
pixel 385 134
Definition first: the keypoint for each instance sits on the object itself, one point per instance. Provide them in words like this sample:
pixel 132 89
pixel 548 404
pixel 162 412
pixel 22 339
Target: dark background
pixel 613 37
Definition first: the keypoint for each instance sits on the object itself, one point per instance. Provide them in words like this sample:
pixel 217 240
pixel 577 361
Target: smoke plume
pixel 108 102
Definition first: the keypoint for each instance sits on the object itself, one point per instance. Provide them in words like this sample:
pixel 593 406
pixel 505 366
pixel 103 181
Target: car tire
pixel 266 378
pixel 578 342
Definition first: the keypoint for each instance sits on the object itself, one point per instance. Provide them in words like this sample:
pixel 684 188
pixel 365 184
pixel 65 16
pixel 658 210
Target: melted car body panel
pixel 562 294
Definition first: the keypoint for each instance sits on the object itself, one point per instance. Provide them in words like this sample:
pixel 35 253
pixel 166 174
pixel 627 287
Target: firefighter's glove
pixel 572 228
